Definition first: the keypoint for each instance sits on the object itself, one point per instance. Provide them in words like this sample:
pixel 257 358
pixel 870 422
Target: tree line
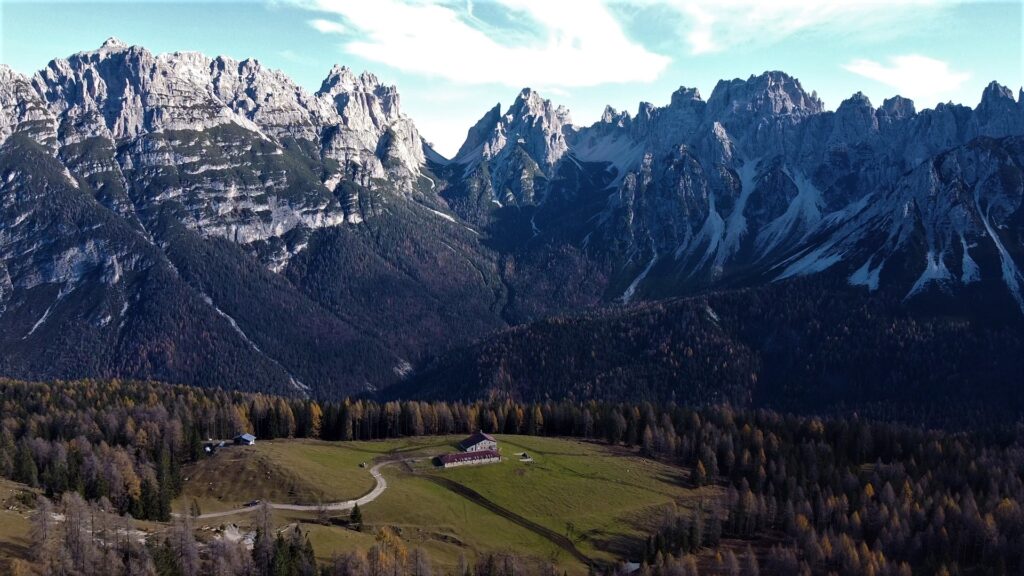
pixel 839 495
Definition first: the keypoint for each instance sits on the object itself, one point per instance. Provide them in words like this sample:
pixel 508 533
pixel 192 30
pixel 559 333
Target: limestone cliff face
pixel 762 181
pixel 161 210
pixel 213 131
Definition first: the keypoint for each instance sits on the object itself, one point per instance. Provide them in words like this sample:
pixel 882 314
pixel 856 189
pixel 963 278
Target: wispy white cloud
pixel 290 56
pixel 917 77
pixel 327 26
pixel 573 44
pixel 709 26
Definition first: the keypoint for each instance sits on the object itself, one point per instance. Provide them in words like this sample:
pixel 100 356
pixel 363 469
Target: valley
pixel 579 486
pixel 228 227
pixel 253 322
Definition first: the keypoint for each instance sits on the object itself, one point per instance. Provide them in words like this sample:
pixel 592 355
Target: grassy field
pixel 15 543
pixel 290 471
pixel 574 501
pixel 600 500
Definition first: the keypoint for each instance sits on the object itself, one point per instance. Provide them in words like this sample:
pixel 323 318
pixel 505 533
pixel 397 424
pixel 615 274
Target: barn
pixel 469 458
pixel 479 441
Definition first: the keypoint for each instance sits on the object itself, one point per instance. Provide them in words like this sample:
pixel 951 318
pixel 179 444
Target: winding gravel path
pixel 382 485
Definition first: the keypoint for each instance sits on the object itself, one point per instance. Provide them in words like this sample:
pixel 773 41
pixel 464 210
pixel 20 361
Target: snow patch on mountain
pixel 867 275
pixel 812 262
pixel 969 268
pixel 802 215
pixel 736 225
pixel 1011 274
pixel 935 271
pixel 631 289
pixel 621 154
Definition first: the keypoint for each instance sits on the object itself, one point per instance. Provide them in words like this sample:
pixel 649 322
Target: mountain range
pixel 208 221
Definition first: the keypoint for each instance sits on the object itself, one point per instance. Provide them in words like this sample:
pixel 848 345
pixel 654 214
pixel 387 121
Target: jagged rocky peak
pixel 996 99
pixel 531 123
pixel 771 93
pixel 611 122
pixel 897 108
pixel 479 133
pixel 998 114
pixel 359 102
pixel 685 96
pixel 858 100
pixel 121 91
pixel 613 116
pixel 113 43
pixel 358 114
pixel 855 119
pixel 265 96
pixel 530 104
pixel 539 127
pixel 22 110
pixel 996 92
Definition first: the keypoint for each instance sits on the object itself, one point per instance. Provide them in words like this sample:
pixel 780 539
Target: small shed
pixel 245 439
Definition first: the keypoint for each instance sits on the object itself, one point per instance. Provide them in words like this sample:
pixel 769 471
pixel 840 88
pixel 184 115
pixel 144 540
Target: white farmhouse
pixel 479 441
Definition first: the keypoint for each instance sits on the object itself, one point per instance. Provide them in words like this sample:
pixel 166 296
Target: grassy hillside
pixel 289 472
pixel 574 499
pixel 15 542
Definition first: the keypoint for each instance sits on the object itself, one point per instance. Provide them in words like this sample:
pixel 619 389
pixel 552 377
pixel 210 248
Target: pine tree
pixel 26 470
pixel 700 475
pixel 356 517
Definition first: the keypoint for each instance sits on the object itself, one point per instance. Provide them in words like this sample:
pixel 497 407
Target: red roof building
pixel 464 458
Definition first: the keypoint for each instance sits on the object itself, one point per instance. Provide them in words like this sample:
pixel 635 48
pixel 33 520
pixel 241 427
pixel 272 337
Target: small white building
pixel 479 441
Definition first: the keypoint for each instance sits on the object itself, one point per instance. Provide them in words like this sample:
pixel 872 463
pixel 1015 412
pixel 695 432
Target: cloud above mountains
pixel 587 52
pixel 585 42
pixel 711 26
pixel 540 42
pixel 917 77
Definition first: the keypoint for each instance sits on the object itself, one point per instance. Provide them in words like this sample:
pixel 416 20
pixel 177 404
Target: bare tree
pixel 228 558
pixel 78 541
pixel 43 533
pixel 419 563
pixel 183 543
pixel 263 547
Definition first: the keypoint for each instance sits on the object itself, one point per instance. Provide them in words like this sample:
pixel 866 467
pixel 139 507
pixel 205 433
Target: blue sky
pixel 453 60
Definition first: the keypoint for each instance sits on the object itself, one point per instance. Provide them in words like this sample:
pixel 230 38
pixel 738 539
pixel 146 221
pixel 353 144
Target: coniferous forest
pixel 815 495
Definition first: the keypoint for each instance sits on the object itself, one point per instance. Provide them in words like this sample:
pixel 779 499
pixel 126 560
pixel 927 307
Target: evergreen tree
pixel 356 517
pixel 26 470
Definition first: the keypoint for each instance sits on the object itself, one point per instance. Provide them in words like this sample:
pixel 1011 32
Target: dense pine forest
pixel 812 345
pixel 814 495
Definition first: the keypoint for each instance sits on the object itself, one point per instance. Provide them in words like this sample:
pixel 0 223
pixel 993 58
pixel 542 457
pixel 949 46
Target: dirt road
pixel 378 489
